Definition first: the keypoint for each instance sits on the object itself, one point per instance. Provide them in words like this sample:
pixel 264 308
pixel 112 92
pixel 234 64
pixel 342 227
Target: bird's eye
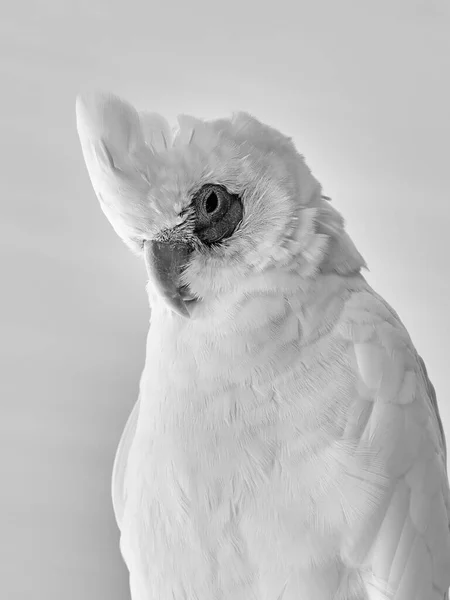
pixel 211 202
pixel 217 212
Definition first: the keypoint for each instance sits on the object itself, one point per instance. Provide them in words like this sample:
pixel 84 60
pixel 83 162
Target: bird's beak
pixel 165 261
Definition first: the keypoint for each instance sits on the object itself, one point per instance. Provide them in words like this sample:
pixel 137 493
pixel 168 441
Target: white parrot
pixel 286 444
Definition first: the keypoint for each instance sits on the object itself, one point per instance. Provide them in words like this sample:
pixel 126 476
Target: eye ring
pixel 217 213
pixel 211 202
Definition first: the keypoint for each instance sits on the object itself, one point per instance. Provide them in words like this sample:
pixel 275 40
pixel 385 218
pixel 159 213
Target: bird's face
pixel 208 206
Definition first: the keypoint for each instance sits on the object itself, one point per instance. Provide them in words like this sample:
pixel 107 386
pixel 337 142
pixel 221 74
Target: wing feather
pixel 404 540
pixel 120 464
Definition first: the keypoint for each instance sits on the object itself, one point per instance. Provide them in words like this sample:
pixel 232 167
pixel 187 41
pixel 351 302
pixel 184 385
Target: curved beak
pixel 165 262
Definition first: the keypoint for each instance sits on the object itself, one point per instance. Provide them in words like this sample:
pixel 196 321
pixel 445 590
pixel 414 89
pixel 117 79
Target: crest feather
pixel 118 162
pixel 157 131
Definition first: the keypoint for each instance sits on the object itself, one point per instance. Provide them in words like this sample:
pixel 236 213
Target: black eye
pixel 218 213
pixel 211 202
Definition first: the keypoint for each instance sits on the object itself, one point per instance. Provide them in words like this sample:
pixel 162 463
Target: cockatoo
pixel 286 443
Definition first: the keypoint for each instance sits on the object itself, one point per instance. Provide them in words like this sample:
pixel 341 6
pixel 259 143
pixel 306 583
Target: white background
pixel 362 86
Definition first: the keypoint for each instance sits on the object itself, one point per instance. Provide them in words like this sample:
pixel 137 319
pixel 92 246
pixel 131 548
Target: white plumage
pixel 287 443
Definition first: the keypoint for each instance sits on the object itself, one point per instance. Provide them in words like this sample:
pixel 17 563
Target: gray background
pixel 362 86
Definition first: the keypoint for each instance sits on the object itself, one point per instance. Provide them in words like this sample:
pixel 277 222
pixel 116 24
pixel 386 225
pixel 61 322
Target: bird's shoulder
pixel 396 432
pixel 389 369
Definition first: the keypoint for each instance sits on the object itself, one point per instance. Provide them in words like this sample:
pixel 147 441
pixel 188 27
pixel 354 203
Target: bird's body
pixel 286 444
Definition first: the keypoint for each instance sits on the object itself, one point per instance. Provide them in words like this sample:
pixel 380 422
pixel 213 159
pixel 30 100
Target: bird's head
pixel 207 204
